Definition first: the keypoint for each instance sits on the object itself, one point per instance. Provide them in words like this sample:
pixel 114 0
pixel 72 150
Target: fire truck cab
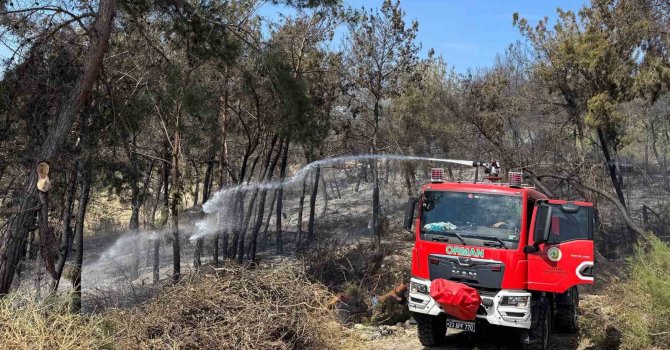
pixel 522 252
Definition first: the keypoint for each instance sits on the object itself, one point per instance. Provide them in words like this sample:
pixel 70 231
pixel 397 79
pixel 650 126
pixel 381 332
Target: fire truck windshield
pixel 481 217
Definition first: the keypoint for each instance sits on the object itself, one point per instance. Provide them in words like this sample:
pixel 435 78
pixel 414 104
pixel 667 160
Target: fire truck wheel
pixel 431 329
pixel 566 317
pixel 540 326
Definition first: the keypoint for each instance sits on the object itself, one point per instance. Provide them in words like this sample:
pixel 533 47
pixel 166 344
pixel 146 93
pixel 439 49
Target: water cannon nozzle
pixel 492 170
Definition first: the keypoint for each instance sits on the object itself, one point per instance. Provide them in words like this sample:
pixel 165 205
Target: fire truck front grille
pixel 476 273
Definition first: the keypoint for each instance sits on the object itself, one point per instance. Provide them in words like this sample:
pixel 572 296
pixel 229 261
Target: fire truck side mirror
pixel 542 224
pixel 409 214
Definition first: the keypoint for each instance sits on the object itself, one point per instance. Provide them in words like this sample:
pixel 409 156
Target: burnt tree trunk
pixel 261 204
pixel 612 167
pixel 145 193
pixel 134 223
pixel 67 230
pixel 312 204
pixel 252 201
pixel 222 234
pixel 325 195
pixel 206 188
pixel 78 243
pixel 165 181
pixel 267 221
pixel 47 240
pixel 175 198
pixel 229 226
pixel 375 182
pixel 13 242
pixel 197 252
pixel 196 193
pixel 157 200
pixel 244 225
pixel 298 241
pixel 238 219
pixel 207 184
pixel 280 200
pixel 224 243
pixel 218 236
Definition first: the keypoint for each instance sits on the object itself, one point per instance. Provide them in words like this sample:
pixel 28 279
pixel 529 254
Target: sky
pixel 467 33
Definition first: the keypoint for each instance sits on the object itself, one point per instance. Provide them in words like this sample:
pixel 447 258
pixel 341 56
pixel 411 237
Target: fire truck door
pixel 563 256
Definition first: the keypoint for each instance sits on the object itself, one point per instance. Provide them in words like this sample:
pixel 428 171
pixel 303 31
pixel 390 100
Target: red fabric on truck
pixel 456 299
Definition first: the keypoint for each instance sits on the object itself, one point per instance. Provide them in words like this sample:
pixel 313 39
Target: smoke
pixel 219 212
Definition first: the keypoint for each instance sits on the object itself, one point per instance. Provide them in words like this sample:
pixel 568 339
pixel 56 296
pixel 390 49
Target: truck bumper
pixel 490 310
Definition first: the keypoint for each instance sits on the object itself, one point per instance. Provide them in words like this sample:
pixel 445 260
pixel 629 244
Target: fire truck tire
pixel 566 316
pixel 431 329
pixel 540 326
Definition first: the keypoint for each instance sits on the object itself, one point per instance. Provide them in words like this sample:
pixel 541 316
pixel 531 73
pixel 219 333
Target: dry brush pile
pixel 232 308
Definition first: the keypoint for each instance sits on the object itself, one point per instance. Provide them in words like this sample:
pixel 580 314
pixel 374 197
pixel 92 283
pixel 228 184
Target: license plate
pixel 461 325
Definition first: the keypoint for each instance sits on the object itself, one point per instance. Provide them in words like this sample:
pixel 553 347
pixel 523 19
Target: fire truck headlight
pixel 518 301
pixel 418 288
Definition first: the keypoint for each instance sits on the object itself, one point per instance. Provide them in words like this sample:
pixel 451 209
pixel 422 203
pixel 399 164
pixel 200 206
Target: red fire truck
pixel 512 255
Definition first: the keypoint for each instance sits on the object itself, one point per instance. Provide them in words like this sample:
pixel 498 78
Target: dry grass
pixel 232 308
pixel 27 324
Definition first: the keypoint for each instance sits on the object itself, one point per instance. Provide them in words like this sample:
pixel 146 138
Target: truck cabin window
pixel 474 216
pixel 569 225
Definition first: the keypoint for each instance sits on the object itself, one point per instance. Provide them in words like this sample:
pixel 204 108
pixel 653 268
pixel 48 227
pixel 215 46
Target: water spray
pixel 216 202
